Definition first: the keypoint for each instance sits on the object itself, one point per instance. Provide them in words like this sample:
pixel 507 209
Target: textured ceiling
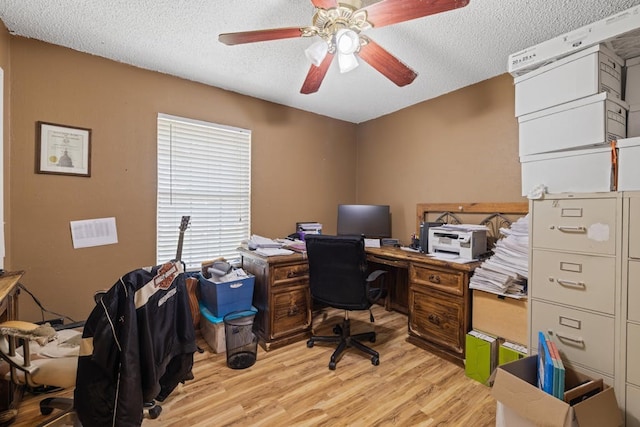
pixel 449 50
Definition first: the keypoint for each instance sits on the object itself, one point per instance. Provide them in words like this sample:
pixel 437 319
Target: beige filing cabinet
pixel 630 329
pixel 575 281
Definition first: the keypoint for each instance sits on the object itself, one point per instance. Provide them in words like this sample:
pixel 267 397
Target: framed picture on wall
pixel 63 150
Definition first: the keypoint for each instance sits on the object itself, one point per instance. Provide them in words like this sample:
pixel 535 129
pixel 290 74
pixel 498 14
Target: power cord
pixel 42 309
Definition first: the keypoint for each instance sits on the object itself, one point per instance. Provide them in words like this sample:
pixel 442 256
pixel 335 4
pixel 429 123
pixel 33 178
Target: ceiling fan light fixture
pixel 347 62
pixel 347 41
pixel 317 52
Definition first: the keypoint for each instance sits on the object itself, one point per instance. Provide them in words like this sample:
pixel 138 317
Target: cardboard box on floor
pixel 515 387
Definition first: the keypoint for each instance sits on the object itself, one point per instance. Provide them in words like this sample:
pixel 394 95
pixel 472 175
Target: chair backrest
pixel 338 271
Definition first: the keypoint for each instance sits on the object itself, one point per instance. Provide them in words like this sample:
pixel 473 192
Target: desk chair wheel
pixel 151 410
pixel 375 360
pixel 337 330
pixel 332 365
pixel 310 343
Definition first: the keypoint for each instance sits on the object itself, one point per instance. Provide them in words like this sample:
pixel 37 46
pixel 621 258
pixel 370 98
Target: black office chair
pixel 338 278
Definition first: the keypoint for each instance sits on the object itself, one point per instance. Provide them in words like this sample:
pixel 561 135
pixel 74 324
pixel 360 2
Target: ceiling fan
pixel 340 25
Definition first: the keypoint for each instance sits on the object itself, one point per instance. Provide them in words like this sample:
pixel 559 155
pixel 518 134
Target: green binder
pixel 509 352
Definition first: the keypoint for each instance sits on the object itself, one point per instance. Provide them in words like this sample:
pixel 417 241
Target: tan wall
pixel 5 44
pixel 302 166
pixel 460 147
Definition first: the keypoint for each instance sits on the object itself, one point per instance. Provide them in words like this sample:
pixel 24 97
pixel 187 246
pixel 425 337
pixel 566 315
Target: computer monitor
pixel 370 221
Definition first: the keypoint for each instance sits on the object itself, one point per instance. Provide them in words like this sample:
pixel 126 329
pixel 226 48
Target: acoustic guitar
pixel 190 282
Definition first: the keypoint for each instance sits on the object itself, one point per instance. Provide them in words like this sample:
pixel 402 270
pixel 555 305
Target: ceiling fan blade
pixel 325 4
pixel 316 75
pixel 388 12
pixel 260 35
pixel 387 64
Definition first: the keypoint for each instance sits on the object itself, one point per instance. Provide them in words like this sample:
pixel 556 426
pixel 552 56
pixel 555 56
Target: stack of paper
pixel 506 271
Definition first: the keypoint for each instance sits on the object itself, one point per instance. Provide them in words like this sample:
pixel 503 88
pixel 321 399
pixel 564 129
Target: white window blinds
pixel 204 171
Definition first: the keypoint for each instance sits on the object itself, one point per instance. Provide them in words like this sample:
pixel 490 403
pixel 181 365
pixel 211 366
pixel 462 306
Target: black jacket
pixel 137 345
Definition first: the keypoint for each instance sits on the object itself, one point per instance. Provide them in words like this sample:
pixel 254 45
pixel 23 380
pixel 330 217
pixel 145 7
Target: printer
pixel 468 241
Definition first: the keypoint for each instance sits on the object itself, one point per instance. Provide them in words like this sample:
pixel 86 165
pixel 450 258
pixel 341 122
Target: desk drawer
pixel 445 281
pixel 286 274
pixel 584 281
pixel 581 337
pixel 582 225
pixel 290 311
pixel 633 353
pixel 437 317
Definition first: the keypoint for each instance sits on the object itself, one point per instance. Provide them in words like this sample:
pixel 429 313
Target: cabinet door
pixel 581 225
pixel 633 283
pixel 633 354
pixel 634 227
pixel 290 310
pixel 437 317
pixel 633 406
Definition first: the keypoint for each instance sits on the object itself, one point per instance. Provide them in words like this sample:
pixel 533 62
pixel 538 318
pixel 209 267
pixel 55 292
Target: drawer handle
pixel 291 274
pixel 572 228
pixel 571 340
pixel 434 278
pixel 572 284
pixel 293 310
pixel 434 319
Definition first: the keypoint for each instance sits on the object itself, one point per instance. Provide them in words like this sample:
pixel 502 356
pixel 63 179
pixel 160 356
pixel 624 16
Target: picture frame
pixel 63 150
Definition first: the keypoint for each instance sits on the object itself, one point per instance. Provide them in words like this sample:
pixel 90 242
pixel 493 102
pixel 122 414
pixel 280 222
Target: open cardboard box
pixel 515 387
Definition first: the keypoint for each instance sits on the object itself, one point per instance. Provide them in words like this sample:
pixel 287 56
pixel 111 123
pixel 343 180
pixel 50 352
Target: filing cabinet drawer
pixel 446 281
pixel 436 317
pixel 285 274
pixel 633 297
pixel 633 353
pixel 582 225
pixel 290 311
pixel 585 281
pixel 581 337
pixel 634 227
pixel 633 406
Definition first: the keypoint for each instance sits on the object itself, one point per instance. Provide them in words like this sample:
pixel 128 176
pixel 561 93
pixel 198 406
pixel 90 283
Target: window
pixel 204 171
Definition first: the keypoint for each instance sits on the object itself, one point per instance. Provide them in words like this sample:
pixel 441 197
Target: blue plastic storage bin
pixel 223 298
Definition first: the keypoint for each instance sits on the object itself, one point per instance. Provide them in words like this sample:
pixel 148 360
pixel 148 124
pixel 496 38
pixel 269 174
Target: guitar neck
pixel 184 223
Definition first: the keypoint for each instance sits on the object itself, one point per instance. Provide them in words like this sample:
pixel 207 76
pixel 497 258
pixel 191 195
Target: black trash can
pixel 241 342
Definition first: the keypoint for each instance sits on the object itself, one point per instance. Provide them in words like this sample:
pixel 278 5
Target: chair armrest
pixel 374 275
pixel 381 290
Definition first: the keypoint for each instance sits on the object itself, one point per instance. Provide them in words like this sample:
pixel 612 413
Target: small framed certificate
pixel 63 150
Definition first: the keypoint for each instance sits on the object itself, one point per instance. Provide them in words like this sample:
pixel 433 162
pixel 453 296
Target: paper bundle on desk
pixel 506 271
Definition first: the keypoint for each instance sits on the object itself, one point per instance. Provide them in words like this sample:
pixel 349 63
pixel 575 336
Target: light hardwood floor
pixel 293 386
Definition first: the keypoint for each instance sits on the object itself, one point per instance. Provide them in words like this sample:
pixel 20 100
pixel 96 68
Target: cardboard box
pixel 628 161
pixel 586 122
pixel 604 30
pixel 481 351
pixel 633 120
pixel 499 315
pixel 578 171
pixel 584 73
pixel 515 389
pixel 632 86
pixel 223 298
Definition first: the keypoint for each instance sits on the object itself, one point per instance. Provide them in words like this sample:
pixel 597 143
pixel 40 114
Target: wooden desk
pixel 433 293
pixel 8 311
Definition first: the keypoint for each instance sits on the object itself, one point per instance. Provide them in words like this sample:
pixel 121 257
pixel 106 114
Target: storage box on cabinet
pixel 584 73
pixel 632 87
pixel 628 161
pixel 584 280
pixel 582 337
pixel 586 170
pixel 574 224
pixel 585 122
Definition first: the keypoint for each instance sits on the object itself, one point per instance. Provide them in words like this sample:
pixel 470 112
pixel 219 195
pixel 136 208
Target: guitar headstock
pixel 184 223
